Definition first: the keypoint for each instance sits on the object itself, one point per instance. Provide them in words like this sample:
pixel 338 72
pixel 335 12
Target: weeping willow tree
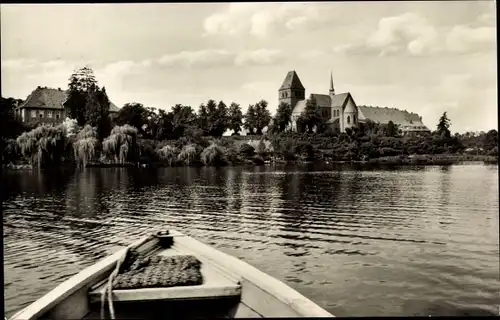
pixel 213 155
pixel 168 153
pixel 11 151
pixel 86 145
pixel 44 145
pixel 121 144
pixel 189 154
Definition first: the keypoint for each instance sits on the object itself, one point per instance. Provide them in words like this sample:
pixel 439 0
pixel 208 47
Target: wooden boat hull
pixel 231 289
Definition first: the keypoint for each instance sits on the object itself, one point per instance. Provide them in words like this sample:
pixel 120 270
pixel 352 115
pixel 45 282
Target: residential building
pixel 45 105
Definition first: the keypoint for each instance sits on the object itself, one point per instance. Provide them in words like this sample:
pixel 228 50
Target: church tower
pixel 332 90
pixel 292 90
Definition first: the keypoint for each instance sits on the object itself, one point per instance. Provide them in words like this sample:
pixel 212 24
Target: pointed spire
pixel 332 90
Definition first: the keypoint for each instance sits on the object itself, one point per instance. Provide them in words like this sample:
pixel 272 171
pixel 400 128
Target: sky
pixel 423 57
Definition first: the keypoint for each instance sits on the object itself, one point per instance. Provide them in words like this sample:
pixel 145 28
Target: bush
pixel 247 150
pixel 43 145
pixel 147 150
pixel 86 145
pixel 213 155
pixel 232 155
pixel 258 160
pixel 122 144
pixel 11 151
pixel 169 154
pixel 189 154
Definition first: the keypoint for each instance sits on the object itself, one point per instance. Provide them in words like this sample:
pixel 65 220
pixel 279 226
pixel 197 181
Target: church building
pixel 340 110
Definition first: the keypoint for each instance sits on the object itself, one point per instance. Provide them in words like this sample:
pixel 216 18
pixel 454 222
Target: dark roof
pixel 384 115
pixel 49 98
pixel 322 100
pixel 292 81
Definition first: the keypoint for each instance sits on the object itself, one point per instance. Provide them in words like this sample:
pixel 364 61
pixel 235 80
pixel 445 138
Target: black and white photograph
pixel 206 160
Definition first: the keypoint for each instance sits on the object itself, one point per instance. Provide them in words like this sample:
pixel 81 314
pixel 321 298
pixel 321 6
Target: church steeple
pixel 332 90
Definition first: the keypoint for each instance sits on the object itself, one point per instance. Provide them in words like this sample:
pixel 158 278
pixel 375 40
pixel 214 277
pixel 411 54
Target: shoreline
pixel 417 160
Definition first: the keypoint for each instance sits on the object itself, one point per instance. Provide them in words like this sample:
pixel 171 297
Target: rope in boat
pixel 165 272
pixel 109 287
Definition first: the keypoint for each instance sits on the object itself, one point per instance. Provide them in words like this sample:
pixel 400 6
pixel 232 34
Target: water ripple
pixel 359 242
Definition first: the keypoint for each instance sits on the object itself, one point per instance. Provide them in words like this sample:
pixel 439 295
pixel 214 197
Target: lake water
pixel 357 241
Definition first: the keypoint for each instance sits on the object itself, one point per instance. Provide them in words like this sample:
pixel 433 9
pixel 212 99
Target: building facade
pixel 340 110
pixel 46 105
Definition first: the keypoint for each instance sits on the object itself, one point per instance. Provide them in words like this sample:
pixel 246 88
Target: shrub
pixel 258 160
pixel 11 151
pixel 189 154
pixel 213 155
pixel 169 154
pixel 232 154
pixel 43 145
pixel 247 150
pixel 122 144
pixel 147 150
pixel 86 145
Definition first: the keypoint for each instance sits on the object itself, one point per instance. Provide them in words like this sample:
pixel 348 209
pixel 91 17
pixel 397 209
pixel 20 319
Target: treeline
pixel 183 136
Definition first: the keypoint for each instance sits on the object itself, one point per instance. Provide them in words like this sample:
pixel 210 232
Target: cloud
pixel 261 20
pixel 465 39
pixel 221 58
pixel 414 35
pixel 258 57
pixel 201 58
pixel 313 54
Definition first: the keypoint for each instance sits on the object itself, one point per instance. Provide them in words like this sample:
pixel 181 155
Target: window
pixel 49 113
pixel 41 115
pixel 57 114
pixel 354 119
pixel 33 113
pixel 348 119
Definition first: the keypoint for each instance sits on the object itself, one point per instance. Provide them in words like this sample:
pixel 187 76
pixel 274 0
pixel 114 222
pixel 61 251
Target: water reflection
pixel 369 239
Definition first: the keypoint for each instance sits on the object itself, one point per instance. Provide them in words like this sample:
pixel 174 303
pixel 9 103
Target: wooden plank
pixel 84 278
pixel 172 293
pixel 297 302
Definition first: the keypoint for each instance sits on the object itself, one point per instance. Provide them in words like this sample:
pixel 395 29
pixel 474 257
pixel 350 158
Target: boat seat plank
pixel 215 284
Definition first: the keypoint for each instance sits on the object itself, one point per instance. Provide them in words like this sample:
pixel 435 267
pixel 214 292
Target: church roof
pixel 339 100
pixel 322 100
pixel 49 98
pixel 299 106
pixel 292 81
pixel 384 115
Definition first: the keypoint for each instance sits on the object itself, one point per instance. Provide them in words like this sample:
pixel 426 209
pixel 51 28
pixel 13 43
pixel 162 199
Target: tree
pixel 392 129
pixel 220 121
pixel 235 118
pixel 444 125
pixel 203 119
pixel 211 117
pixel 250 118
pixel 165 125
pixel 10 125
pixel 133 114
pixel 311 117
pixel 80 83
pixel 283 116
pixel 182 118
pixel 262 116
pixel 97 111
